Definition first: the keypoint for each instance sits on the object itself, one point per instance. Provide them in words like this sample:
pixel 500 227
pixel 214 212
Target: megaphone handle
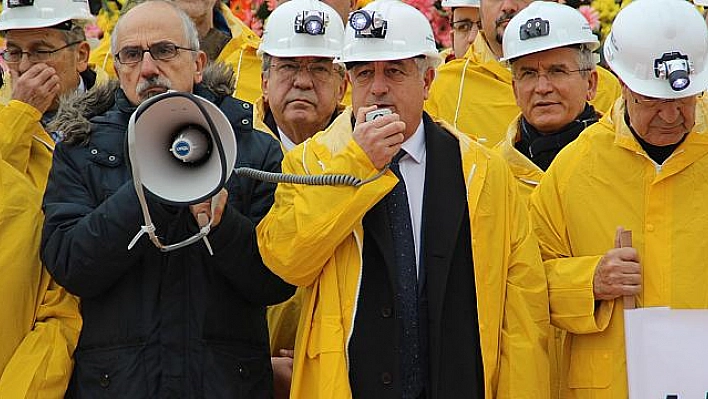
pixel 205 223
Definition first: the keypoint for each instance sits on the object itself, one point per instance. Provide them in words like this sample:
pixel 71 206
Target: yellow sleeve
pixel 42 364
pixel 524 365
pixel 314 220
pixel 18 123
pixel 570 278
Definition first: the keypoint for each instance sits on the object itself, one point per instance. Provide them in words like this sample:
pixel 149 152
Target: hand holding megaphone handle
pixel 149 226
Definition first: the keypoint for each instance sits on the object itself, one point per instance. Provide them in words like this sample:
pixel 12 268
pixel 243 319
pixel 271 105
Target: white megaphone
pixel 182 149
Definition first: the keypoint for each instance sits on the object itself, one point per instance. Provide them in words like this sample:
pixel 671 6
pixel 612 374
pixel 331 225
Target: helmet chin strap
pixel 149 227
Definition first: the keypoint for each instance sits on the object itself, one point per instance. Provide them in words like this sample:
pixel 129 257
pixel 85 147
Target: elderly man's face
pixel 302 93
pixel 397 85
pixel 495 15
pixel 138 31
pixel 550 89
pixel 67 63
pixel 660 122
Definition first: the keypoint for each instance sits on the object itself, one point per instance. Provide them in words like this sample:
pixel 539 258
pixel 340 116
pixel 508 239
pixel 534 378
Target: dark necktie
pixel 407 284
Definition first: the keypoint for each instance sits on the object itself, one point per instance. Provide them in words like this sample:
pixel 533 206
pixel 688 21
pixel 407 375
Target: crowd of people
pixel 478 256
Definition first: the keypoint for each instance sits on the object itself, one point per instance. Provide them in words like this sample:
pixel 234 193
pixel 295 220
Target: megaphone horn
pixel 182 146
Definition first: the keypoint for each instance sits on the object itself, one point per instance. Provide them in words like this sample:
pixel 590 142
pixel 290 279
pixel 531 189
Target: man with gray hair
pixel 400 301
pixel 554 77
pixel 160 324
pixel 302 93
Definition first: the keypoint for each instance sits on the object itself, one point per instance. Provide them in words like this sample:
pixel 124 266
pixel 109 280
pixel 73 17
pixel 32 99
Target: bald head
pixel 146 12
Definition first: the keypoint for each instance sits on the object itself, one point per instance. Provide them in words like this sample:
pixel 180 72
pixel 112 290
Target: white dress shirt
pixel 412 167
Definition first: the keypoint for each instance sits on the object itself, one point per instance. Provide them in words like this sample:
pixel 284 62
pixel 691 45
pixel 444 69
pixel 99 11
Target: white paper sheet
pixel 667 353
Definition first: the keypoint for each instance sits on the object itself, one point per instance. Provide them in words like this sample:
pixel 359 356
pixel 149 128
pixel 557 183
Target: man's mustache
pixel 152 83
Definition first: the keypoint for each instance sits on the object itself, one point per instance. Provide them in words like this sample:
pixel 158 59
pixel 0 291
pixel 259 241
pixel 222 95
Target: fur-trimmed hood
pixel 76 110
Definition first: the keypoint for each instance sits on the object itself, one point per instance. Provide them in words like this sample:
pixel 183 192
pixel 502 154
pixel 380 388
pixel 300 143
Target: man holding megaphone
pixel 169 319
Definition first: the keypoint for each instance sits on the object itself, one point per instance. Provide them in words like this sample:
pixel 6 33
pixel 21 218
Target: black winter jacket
pixel 181 324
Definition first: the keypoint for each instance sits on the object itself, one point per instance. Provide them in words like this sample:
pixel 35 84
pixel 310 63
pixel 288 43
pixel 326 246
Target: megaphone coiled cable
pixel 312 180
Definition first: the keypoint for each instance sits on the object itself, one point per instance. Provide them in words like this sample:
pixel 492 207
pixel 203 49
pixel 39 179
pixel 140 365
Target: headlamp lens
pixel 359 20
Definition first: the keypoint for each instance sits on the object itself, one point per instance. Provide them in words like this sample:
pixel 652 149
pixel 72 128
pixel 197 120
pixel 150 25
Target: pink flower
pixel 592 16
pixel 93 31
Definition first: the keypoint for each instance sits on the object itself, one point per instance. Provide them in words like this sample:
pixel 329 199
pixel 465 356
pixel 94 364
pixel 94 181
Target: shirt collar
pixel 415 145
pixel 287 143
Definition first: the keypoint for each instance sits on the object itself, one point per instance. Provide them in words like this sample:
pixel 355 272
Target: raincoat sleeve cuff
pixel 570 290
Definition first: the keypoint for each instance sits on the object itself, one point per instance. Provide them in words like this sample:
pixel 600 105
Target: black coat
pixel 446 281
pixel 181 324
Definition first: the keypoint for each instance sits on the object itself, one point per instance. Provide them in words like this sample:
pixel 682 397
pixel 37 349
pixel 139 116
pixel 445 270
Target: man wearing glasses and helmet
pixel 642 168
pixel 46 56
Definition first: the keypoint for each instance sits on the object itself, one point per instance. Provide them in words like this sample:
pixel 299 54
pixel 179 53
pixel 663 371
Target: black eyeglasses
pixel 465 26
pixel 14 55
pixel 160 51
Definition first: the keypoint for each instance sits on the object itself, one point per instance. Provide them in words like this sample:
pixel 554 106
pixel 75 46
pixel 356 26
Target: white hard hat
pixel 32 14
pixel 460 3
pixel 387 30
pixel 303 28
pixel 545 25
pixel 659 48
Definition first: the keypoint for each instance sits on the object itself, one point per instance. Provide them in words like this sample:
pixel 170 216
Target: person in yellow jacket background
pixel 549 47
pixel 302 93
pixel 224 38
pixel 474 93
pixel 442 295
pixel 641 167
pixel 47 56
pixel 464 24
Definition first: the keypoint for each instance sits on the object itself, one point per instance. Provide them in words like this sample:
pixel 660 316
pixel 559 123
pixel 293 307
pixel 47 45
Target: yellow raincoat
pixel 313 236
pixel 527 174
pixel 39 321
pixel 239 53
pixel 282 318
pixel 474 94
pixel 602 180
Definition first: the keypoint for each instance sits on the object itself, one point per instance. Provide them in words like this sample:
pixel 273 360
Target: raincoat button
pixel 386 378
pixel 105 380
pixel 386 312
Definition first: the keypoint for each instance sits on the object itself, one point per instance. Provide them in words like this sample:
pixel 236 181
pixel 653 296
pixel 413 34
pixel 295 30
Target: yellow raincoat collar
pixel 522 168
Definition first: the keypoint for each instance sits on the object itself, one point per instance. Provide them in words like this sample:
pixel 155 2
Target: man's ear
pixel 82 56
pixel 264 85
pixel 200 61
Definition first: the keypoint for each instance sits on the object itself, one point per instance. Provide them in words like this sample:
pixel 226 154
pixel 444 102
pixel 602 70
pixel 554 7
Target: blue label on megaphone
pixel 182 148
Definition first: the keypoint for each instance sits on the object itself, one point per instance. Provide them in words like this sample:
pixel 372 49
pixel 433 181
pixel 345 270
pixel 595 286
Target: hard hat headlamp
pixel 311 22
pixel 676 68
pixel 368 23
pixel 536 27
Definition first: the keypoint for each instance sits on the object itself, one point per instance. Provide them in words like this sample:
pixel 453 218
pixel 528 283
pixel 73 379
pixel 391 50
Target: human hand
pixel 38 86
pixel 380 138
pixel 282 373
pixel 618 273
pixel 202 212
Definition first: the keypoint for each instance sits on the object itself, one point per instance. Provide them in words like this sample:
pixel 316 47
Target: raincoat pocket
pixel 590 368
pixel 327 336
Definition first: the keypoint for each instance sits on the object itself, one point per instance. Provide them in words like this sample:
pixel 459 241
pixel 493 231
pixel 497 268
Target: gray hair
pixel 586 60
pixel 190 30
pixel 425 63
pixel 76 33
